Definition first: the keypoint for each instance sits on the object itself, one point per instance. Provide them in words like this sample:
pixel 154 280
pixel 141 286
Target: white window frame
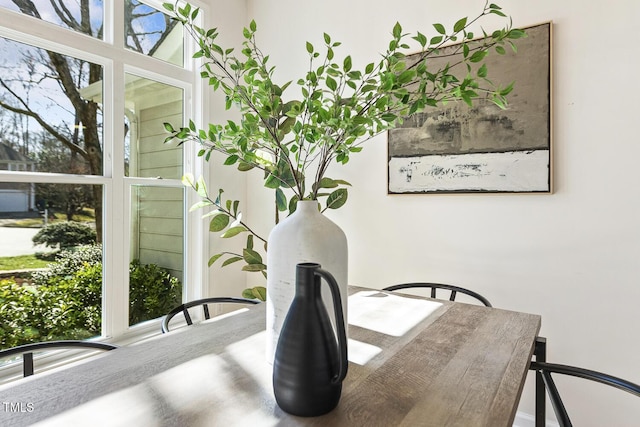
pixel 117 60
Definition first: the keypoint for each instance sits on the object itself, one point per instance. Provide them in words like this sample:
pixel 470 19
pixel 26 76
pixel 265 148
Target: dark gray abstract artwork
pixel 460 149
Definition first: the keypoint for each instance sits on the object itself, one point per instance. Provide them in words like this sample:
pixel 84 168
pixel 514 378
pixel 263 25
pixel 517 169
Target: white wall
pixel 571 256
pixel 229 17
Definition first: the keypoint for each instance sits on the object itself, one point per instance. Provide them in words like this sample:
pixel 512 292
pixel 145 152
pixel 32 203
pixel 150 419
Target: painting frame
pixel 454 148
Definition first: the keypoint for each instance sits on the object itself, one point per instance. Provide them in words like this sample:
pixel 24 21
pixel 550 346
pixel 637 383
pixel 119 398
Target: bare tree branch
pixel 29 112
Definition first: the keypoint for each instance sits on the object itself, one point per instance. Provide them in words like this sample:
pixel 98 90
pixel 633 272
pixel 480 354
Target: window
pixel 82 142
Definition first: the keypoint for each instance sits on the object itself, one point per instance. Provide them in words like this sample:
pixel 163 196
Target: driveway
pixel 17 241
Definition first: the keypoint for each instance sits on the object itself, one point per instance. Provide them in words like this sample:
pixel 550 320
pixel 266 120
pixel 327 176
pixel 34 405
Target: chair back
pixel 453 290
pixel 27 350
pixel 184 308
pixel 547 369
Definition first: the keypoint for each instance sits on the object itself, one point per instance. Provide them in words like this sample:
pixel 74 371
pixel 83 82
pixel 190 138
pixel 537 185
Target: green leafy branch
pixel 227 218
pixel 340 107
pixel 293 139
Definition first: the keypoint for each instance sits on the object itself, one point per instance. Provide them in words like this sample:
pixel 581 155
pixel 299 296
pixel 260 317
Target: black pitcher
pixel 309 364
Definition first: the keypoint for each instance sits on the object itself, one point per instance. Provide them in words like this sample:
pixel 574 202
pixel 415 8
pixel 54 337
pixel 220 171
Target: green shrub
pixel 67 263
pixel 153 292
pixel 16 314
pixel 70 308
pixel 65 234
pixel 64 302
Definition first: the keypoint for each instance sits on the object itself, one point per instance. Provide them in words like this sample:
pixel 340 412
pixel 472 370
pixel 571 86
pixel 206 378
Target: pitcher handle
pixel 340 326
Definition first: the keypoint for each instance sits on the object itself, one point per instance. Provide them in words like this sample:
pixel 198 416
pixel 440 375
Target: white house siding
pixel 155 157
pixel 158 222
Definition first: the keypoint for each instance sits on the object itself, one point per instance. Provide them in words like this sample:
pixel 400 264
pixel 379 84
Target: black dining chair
pixel 453 290
pixel 27 350
pixel 184 308
pixel 544 371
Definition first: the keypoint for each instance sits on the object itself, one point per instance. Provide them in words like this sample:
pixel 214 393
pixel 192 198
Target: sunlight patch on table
pixel 360 353
pixel 250 354
pixel 219 385
pixel 211 373
pixel 133 406
pixel 388 314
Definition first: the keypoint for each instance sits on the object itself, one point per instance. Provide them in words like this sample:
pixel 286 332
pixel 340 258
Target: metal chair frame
pixel 454 290
pixel 27 350
pixel 184 308
pixel 544 381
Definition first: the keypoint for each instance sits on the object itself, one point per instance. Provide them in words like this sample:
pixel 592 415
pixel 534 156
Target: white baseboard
pixel 527 420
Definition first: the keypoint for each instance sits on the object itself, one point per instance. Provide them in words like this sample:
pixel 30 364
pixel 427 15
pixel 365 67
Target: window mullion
pixel 117 199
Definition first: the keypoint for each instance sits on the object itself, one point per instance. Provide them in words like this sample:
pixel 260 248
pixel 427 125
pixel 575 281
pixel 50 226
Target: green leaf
pixel 389 117
pixel 500 50
pixel 244 166
pixel 342 181
pixel 231 159
pixel 214 258
pixel 272 181
pixel 459 26
pixel 293 204
pixel 257 292
pixel 327 38
pixel 188 180
pixel 406 76
pixel 218 222
pixel 201 187
pixel 233 231
pixel 326 183
pixel 347 64
pixel 331 83
pixel 309 47
pixel 517 34
pixel 199 205
pixel 482 71
pixel 231 260
pixel 253 26
pixel 421 38
pixel 507 90
pixel 369 68
pixel 478 56
pixel 440 28
pixel 337 198
pixel 254 267
pixel 499 102
pixel 251 256
pixel 397 30
pixel 281 200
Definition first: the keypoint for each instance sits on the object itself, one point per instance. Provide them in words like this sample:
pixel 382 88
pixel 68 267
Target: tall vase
pixel 304 236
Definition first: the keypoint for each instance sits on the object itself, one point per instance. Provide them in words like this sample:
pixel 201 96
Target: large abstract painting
pixel 455 148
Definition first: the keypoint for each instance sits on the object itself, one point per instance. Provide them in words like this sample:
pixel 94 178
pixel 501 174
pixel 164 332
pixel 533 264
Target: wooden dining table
pixel 413 361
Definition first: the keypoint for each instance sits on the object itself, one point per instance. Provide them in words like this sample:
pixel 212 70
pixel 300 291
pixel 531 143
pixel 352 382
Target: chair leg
pixel 27 364
pixel 540 352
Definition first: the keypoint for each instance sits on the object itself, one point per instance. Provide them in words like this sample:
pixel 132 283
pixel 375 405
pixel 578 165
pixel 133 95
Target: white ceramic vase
pixel 304 236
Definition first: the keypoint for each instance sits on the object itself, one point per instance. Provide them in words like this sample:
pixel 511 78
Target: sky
pixel 44 94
